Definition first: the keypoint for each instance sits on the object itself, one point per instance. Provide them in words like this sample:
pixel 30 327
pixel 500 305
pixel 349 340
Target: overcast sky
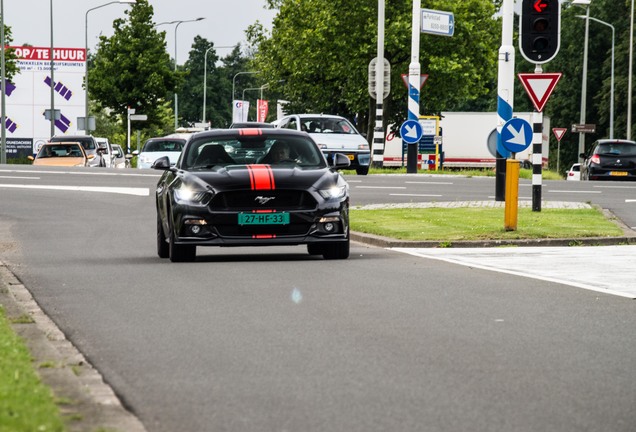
pixel 224 24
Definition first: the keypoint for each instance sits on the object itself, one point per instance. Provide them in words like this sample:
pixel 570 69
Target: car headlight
pixel 189 196
pixel 334 192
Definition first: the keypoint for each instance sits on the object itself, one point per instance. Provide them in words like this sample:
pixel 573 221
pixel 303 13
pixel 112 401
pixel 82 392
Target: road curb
pixel 93 403
pixel 628 238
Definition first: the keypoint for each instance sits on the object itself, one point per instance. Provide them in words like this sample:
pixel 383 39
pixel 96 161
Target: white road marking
pixel 416 195
pixel 571 191
pixel 117 190
pixel 630 200
pixel 605 269
pixel 380 187
pixel 429 183
pixel 21 178
pixel 616 187
pixel 95 171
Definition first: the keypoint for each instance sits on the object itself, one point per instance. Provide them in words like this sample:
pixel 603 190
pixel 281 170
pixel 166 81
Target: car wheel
pixel 163 249
pixel 362 170
pixel 314 249
pixel 336 250
pixel 180 253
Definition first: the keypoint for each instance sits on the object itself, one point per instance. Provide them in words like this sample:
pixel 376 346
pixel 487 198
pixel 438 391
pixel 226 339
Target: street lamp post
pixel 52 77
pixel 176 99
pixel 86 111
pixel 205 77
pixel 629 76
pixel 3 85
pixel 586 4
pixel 611 119
pixel 234 81
pixel 243 98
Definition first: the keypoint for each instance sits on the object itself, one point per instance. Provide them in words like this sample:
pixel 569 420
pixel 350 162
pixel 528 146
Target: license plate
pixel 618 173
pixel 279 218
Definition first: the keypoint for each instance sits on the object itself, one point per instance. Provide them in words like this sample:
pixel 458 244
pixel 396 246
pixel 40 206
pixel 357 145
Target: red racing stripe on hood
pixel 261 177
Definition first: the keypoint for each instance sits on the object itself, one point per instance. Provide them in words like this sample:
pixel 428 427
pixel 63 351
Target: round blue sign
pixel 411 131
pixel 516 135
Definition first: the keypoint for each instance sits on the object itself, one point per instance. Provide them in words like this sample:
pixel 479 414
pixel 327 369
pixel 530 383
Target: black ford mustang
pixel 252 187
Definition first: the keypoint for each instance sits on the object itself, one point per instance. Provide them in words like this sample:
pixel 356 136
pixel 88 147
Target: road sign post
pixel 558 134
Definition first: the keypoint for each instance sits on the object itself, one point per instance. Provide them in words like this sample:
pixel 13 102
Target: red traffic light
pixel 540 5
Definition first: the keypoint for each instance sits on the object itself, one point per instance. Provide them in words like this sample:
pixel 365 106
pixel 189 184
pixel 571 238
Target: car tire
pixel 180 253
pixel 314 249
pixel 362 170
pixel 163 248
pixel 338 250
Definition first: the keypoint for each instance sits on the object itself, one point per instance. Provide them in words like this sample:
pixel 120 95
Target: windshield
pixel 616 149
pixel 208 152
pixel 171 145
pixel 327 125
pixel 60 150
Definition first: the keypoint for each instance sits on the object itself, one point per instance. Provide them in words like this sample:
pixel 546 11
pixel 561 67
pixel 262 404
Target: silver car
pixel 333 134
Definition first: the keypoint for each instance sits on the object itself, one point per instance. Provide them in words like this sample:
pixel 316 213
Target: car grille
pixel 263 200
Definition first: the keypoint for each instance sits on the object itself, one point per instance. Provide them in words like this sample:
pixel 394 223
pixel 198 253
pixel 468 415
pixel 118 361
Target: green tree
pixel 133 69
pixel 321 51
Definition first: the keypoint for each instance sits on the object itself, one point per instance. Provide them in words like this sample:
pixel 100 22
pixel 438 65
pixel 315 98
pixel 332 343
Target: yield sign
pixel 539 87
pixel 559 132
pixel 423 78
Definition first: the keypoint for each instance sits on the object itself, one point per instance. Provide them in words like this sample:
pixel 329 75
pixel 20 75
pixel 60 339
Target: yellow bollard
pixel 512 194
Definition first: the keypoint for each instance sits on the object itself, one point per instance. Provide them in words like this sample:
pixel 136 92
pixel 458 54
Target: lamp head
pixel 128 1
pixel 582 3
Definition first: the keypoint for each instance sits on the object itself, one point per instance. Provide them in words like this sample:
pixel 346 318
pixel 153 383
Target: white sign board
pixel 29 93
pixel 437 22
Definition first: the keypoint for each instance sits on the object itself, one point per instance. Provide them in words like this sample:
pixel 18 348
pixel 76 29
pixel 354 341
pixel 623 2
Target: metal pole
pixel 611 118
pixel 3 84
pixel 86 111
pixel 52 78
pixel 234 80
pixel 584 84
pixel 629 76
pixel 414 84
pixel 378 131
pixel 505 95
pixel 176 98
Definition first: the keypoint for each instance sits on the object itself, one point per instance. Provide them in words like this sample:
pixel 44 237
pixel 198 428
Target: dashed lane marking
pixel 116 190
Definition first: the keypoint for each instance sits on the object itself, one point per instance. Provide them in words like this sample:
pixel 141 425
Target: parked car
pixel 227 189
pixel 610 159
pixel 155 148
pixel 574 173
pixel 333 134
pixel 66 154
pixel 107 151
pixel 120 159
pixel 90 147
pixel 248 124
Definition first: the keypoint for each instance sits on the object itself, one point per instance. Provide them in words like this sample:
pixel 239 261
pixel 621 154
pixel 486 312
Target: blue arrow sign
pixel 411 131
pixel 516 135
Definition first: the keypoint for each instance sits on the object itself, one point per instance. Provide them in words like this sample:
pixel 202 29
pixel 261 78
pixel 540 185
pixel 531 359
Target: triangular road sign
pixel 539 87
pixel 559 132
pixel 423 78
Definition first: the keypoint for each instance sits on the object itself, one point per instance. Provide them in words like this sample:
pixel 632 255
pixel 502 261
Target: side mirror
pixel 90 156
pixel 582 156
pixel 135 152
pixel 129 156
pixel 163 163
pixel 31 158
pixel 339 161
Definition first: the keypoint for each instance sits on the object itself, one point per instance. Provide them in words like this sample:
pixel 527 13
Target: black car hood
pixel 262 177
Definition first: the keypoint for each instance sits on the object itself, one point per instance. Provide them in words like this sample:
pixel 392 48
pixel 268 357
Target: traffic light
pixel 540 30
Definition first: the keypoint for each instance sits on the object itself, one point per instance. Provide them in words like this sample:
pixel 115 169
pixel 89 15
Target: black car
pixel 610 159
pixel 228 189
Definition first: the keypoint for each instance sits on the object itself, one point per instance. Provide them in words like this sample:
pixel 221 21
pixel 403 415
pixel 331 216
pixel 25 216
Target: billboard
pixel 28 95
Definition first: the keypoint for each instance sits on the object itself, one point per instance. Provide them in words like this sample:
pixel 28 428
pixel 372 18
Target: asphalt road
pixel 273 339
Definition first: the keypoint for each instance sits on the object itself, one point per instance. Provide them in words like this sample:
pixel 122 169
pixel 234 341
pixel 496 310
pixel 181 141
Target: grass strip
pixel 25 403
pixel 453 224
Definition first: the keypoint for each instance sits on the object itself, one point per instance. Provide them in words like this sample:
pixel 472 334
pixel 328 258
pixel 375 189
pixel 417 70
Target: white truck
pixel 465 142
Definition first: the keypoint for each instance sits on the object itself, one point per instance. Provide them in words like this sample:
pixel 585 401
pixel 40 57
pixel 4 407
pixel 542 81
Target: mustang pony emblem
pixel 263 200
